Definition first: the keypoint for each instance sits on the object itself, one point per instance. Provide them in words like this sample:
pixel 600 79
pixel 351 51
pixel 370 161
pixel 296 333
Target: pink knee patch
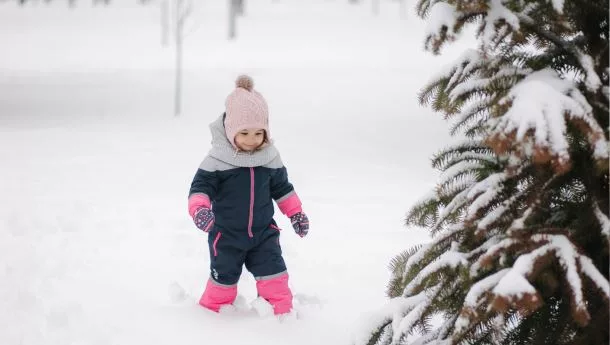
pixel 216 296
pixel 276 292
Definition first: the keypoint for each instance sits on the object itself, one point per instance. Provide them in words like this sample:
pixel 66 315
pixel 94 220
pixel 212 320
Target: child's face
pixel 250 139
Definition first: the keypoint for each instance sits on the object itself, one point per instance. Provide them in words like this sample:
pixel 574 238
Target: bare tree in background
pixel 182 11
pixel 241 7
pixel 403 9
pixel 165 22
pixel 236 8
pixel 375 4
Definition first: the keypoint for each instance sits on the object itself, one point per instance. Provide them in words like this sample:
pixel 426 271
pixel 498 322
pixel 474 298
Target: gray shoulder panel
pixel 276 163
pixel 212 164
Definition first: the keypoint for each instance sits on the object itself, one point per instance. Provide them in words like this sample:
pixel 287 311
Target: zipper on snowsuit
pixel 251 215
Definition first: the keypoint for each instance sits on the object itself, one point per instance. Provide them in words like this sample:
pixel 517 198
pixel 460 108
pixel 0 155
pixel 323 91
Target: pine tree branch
pixel 531 24
pixel 519 223
pixel 568 47
pixel 603 107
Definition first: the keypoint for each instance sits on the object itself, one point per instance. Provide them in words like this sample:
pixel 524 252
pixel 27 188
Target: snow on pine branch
pixel 514 283
pixel 493 251
pixel 430 196
pixel 444 17
pixel 454 169
pixel 419 255
pixel 440 24
pixel 497 14
pixel 472 156
pixel 495 214
pixel 450 259
pixel 482 286
pixel 406 324
pixel 605 88
pixel 603 221
pixel 437 336
pixel 456 187
pixel 478 195
pixel 539 103
pixel 401 314
pixel 483 248
pixel 455 205
pixel 487 190
pixel 592 80
pixel 558 5
pixel 519 223
pixel 467 62
pixel 588 268
pixel 458 152
pixel 474 296
pixel 460 168
pixel 476 82
pixel 470 112
pixel 567 256
pixel 394 309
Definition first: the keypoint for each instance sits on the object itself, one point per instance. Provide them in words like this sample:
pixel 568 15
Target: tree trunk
pixel 178 81
pixel 164 6
pixel 232 19
pixel 240 7
pixel 403 9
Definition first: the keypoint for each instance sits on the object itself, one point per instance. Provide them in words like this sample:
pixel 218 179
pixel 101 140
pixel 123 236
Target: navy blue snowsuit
pixel 240 187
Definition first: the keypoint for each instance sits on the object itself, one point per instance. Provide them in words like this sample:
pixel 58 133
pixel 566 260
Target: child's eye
pixel 259 134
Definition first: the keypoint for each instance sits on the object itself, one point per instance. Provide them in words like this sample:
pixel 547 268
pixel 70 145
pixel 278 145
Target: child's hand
pixel 300 223
pixel 204 219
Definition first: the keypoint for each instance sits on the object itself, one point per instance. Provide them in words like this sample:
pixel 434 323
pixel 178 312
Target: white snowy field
pixel 96 246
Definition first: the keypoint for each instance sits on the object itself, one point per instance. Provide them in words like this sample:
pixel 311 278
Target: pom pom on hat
pixel 245 82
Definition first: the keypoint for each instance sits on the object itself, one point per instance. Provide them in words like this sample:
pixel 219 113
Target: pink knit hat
pixel 245 108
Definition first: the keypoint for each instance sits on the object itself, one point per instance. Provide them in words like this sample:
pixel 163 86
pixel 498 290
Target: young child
pixel 230 198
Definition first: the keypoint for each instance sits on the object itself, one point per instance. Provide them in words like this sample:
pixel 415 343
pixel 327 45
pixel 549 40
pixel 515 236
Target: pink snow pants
pixel 273 289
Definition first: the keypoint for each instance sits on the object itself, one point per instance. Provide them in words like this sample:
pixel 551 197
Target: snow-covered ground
pixel 96 246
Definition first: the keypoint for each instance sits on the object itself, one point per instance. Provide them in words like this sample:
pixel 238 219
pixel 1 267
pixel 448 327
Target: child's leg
pixel 267 265
pixel 216 295
pixel 276 291
pixel 226 261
